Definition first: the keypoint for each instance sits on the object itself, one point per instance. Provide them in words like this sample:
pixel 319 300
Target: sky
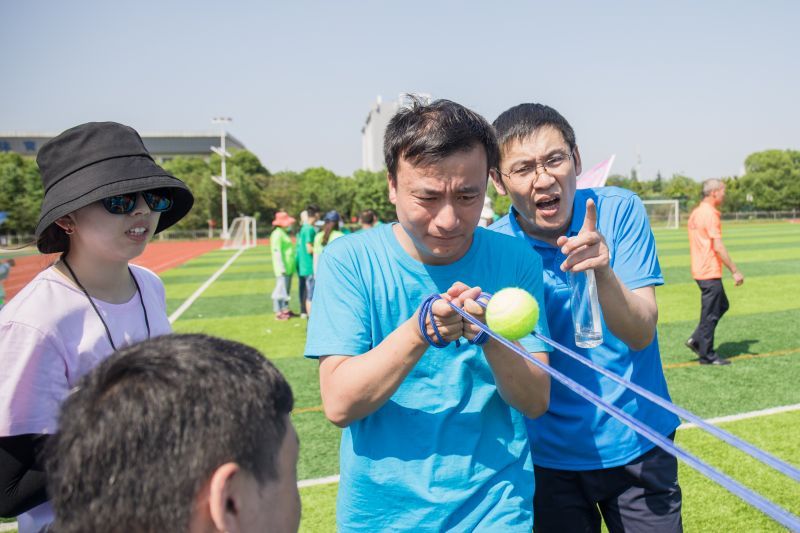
pixel 674 87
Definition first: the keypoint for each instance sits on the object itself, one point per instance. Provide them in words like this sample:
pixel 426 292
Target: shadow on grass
pixel 730 349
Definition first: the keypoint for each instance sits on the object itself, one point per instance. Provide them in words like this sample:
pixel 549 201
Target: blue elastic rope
pixel 482 338
pixel 757 453
pixel 769 508
pixel 425 312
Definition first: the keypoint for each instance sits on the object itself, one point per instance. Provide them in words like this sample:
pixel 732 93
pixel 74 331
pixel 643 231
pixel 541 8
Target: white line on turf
pixel 318 481
pixel 719 420
pixel 743 416
pixel 189 301
pixel 8 526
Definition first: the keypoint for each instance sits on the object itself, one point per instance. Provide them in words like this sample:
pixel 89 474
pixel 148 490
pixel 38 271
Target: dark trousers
pixel 642 496
pixel 302 293
pixel 714 304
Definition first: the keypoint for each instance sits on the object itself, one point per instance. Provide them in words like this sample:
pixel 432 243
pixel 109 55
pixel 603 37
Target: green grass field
pixel 759 334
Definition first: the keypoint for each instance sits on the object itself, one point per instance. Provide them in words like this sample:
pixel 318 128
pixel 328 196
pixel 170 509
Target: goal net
pixel 662 213
pixel 242 234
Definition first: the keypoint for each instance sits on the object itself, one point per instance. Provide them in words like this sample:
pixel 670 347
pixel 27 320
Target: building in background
pixel 375 126
pixel 372 134
pixel 162 146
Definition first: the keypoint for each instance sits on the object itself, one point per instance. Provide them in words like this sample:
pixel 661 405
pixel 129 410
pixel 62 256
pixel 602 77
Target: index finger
pixel 442 309
pixel 590 218
pixel 470 294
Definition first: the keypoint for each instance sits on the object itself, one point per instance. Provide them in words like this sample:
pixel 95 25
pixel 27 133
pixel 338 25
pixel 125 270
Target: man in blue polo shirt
pixel 587 463
pixel 434 438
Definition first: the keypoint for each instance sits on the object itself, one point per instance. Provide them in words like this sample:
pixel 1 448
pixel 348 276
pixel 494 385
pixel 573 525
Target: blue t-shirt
pixel 445 452
pixel 574 434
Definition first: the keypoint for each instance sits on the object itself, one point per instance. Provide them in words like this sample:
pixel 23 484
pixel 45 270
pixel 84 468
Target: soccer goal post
pixel 241 235
pixel 663 213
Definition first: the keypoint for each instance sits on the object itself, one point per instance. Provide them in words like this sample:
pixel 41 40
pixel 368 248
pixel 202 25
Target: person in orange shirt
pixel 708 255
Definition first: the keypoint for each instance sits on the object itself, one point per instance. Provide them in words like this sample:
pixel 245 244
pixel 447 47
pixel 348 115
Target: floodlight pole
pixel 222 121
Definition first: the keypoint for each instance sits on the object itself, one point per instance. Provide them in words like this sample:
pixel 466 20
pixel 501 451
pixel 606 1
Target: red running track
pixel 158 257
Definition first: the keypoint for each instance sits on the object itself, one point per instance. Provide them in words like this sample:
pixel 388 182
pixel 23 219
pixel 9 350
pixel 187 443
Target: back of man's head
pixel 710 185
pixel 313 210
pixel 368 217
pixel 144 434
pixel 519 122
pixel 425 134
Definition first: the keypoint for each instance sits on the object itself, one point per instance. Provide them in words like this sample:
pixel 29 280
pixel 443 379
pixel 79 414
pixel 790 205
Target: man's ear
pixel 392 181
pixel 497 181
pixel 577 155
pixel 223 498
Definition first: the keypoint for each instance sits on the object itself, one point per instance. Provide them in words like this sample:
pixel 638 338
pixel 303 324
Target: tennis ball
pixel 512 313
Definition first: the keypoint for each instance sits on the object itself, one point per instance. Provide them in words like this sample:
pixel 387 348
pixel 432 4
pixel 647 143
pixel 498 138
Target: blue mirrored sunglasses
pixel 158 200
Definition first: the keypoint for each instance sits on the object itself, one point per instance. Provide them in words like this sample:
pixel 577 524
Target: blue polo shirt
pixel 445 452
pixel 574 434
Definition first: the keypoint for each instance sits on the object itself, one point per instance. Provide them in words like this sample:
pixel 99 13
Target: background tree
pixel 21 193
pixel 196 173
pixel 632 183
pixel 371 191
pixel 249 177
pixel 683 188
pixel 772 177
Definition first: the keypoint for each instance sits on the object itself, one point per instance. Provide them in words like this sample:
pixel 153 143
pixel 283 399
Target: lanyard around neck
pixel 108 331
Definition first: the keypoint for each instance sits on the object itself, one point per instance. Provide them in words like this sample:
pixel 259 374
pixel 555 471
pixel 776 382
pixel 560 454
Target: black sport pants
pixel 642 496
pixel 714 304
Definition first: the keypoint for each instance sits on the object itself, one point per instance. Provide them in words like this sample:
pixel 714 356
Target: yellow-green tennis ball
pixel 512 313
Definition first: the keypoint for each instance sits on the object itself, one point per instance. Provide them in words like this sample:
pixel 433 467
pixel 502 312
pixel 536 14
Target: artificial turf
pixel 759 333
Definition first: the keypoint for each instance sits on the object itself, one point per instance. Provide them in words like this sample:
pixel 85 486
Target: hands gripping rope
pixel 426 317
pixel 777 513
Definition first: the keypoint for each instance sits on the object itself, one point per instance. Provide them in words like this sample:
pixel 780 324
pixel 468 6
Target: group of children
pixel 316 232
pixel 444 428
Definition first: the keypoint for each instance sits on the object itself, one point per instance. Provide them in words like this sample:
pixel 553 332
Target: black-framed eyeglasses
pixel 158 200
pixel 555 165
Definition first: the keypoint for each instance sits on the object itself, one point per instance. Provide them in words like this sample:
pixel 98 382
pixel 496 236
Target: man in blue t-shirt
pixel 434 438
pixel 587 463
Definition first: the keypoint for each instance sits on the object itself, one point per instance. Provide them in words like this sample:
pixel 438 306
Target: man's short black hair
pixel 368 216
pixel 519 123
pixel 144 431
pixel 312 210
pixel 427 133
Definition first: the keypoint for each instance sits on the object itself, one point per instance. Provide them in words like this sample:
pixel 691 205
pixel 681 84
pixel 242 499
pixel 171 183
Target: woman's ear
pixel 67 223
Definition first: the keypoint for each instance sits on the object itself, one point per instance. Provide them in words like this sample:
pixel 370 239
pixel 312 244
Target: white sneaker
pixel 303 315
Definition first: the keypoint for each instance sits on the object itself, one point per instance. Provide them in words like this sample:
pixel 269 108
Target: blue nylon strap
pixel 777 513
pixel 482 338
pixel 757 453
pixel 426 312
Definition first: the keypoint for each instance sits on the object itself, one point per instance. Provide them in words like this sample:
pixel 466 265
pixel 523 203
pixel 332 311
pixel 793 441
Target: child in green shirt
pixel 284 263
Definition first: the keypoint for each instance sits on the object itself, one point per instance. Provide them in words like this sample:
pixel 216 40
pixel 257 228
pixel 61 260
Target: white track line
pixel 189 301
pixel 719 420
pixel 318 481
pixel 743 416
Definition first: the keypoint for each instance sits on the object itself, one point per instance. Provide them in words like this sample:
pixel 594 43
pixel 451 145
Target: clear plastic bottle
pixel 585 304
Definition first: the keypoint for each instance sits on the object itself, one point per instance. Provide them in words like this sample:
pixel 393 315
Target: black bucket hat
pixel 100 159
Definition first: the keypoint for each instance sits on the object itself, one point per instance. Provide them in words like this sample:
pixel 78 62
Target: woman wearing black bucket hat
pixel 104 199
